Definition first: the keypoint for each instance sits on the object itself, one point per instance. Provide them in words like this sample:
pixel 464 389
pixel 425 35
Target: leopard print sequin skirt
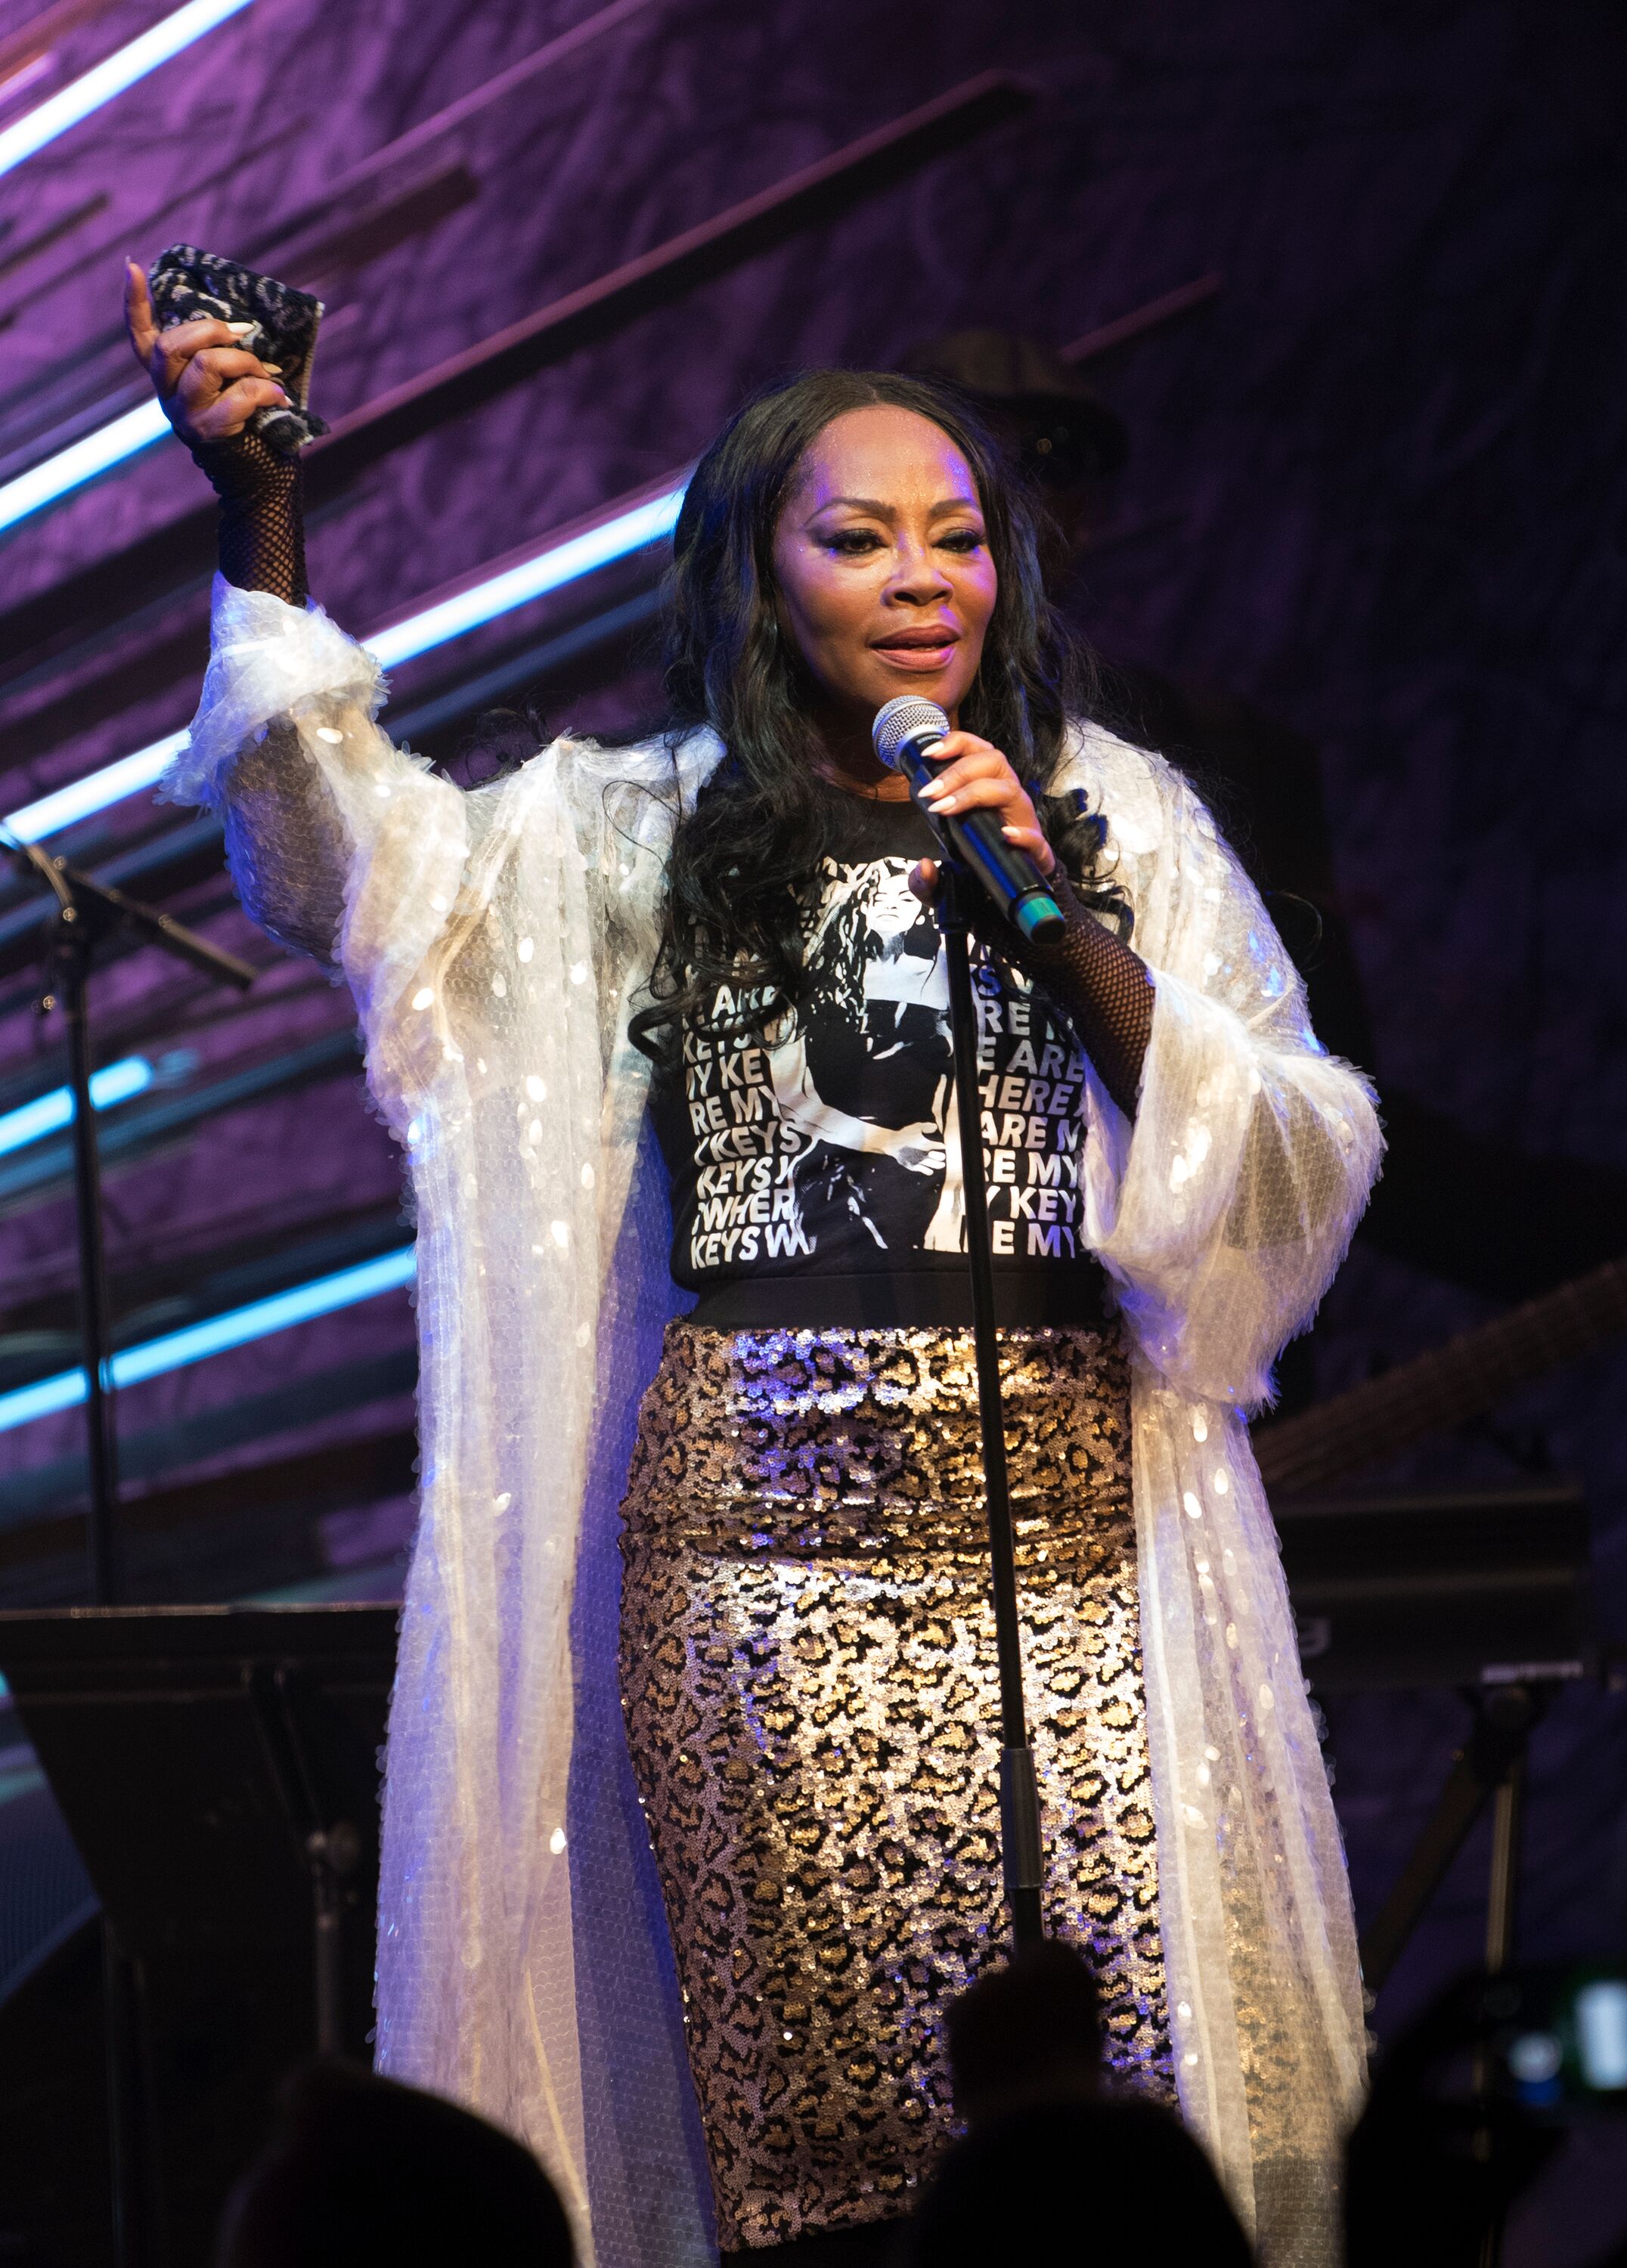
pixel 809 1680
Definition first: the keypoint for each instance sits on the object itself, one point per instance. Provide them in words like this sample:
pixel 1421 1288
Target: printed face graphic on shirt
pixel 840 1135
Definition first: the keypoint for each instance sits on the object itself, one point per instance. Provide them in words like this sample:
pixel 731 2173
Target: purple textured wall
pixel 1376 491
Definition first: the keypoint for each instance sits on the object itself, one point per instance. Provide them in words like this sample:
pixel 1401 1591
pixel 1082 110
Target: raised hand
pixel 976 776
pixel 208 386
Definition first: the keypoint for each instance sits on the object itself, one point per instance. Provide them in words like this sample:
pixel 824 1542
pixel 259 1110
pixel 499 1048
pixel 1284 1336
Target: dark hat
pixel 1066 432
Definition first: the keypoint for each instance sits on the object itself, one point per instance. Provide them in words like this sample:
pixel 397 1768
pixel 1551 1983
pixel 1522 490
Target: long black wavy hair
pixel 745 858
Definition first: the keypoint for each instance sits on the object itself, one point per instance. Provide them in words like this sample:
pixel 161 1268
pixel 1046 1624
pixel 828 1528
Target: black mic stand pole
pixel 86 911
pixel 1021 1851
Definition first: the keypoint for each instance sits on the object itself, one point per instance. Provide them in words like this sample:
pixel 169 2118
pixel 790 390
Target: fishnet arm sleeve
pixel 1103 990
pixel 261 531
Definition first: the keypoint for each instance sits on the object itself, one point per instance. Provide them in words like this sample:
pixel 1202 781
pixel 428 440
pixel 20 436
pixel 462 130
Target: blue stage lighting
pixel 58 112
pixel 94 792
pixel 131 1365
pixel 70 468
pixel 49 1113
pixel 532 579
pixel 548 569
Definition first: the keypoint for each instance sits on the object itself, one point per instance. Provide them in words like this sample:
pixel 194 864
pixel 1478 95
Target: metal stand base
pixel 1491 1768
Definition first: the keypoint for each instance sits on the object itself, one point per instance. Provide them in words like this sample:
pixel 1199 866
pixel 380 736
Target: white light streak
pixel 109 77
pixel 532 579
pixel 72 467
pixel 82 797
pixel 548 570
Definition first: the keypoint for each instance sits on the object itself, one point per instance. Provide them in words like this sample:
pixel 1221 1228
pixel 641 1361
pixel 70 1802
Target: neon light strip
pixel 451 618
pixel 70 468
pixel 548 571
pixel 95 791
pixel 131 1365
pixel 49 1113
pixel 53 116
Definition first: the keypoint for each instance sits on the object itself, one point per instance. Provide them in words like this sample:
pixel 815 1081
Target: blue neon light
pixel 131 1365
pixel 49 1113
pixel 548 570
pixel 54 116
pixel 70 468
pixel 81 798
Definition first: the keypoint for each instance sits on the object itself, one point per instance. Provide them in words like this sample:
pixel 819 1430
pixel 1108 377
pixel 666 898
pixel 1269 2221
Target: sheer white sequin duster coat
pixel 494 940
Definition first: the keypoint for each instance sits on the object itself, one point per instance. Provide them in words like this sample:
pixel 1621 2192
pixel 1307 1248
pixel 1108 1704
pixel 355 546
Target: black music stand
pixel 218 1770
pixel 1489 1769
pixel 1482 1589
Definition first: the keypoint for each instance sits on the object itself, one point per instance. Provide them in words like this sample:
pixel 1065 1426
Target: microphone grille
pixel 906 719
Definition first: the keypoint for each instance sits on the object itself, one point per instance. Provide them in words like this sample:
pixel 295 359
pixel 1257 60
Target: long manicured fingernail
pixel 241 331
pixel 272 369
pixel 945 803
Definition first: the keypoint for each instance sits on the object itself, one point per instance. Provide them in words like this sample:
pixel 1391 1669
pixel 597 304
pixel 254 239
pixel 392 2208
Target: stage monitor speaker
pixel 1468 1587
pixel 218 1769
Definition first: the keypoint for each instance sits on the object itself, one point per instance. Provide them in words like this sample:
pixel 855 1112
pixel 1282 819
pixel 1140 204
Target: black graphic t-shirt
pixel 815 1178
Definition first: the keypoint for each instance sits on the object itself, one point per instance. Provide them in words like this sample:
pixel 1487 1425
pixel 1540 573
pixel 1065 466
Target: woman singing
pixel 680 1006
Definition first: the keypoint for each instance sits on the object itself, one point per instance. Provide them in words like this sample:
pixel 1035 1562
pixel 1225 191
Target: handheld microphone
pixel 905 732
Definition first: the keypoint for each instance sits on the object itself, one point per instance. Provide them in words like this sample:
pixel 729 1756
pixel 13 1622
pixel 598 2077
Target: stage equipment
pixel 581 547
pixel 1022 1853
pixel 1468 1587
pixel 974 851
pixel 1483 1589
pixel 1490 1767
pixel 218 1769
pixel 1470 1374
pixel 905 732
pixel 1486 1590
pixel 86 911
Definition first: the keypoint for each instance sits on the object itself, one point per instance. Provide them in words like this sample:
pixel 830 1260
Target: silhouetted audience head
pixel 362 2170
pixel 1091 2183
pixel 1030 2032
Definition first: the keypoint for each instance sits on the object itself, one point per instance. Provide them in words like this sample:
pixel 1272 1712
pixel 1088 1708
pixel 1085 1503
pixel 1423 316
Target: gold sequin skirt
pixel 808 1675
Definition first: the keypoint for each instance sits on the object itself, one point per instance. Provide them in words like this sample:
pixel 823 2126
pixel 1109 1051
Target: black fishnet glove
pixel 1100 986
pixel 261 532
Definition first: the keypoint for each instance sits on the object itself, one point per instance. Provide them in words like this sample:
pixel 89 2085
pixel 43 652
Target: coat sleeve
pixel 340 844
pixel 1224 1210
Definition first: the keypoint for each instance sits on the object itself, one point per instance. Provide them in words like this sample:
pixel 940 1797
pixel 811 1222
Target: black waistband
pixel 1073 1293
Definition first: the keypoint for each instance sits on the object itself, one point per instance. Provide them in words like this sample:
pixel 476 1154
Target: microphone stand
pixel 1021 1855
pixel 87 911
